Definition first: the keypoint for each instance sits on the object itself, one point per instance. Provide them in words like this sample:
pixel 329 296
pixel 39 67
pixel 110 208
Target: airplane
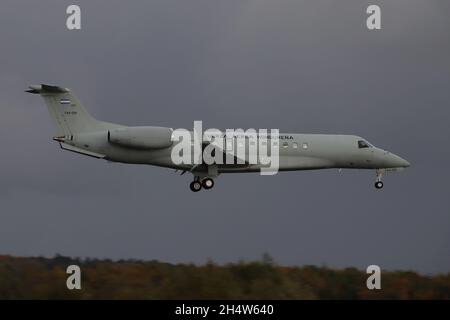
pixel 79 132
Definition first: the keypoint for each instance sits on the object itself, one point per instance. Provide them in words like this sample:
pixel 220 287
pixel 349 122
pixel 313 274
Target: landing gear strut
pixel 378 182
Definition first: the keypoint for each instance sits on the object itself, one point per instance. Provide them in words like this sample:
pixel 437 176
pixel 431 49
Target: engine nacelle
pixel 141 137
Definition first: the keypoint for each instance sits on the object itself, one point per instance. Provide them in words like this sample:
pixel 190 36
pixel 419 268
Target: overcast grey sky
pixel 300 66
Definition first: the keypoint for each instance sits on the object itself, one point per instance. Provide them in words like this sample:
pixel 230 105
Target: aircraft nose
pixel 400 162
pixel 406 163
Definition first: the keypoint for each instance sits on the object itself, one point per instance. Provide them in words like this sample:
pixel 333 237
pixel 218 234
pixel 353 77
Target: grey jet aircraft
pixel 79 132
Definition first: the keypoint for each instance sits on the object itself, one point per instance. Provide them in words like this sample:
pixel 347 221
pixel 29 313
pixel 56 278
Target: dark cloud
pixel 301 66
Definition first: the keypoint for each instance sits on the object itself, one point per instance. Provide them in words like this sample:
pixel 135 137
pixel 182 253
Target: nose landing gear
pixel 378 182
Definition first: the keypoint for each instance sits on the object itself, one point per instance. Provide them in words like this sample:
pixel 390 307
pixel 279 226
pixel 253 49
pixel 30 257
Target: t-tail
pixel 67 113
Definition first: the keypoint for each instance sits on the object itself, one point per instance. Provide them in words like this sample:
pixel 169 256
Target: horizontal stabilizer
pixel 45 88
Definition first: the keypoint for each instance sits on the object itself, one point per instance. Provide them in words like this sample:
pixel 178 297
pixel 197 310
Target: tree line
pixel 45 278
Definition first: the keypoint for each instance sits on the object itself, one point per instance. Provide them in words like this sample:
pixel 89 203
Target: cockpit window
pixel 363 144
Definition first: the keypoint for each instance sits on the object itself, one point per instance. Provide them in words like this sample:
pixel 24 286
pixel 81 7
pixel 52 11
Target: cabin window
pixel 295 145
pixel 305 145
pixel 362 144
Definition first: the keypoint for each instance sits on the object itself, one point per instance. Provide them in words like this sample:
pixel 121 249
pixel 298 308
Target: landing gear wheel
pixel 195 186
pixel 379 184
pixel 207 183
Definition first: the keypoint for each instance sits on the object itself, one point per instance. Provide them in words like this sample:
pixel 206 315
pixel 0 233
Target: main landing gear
pixel 378 182
pixel 195 186
pixel 205 183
